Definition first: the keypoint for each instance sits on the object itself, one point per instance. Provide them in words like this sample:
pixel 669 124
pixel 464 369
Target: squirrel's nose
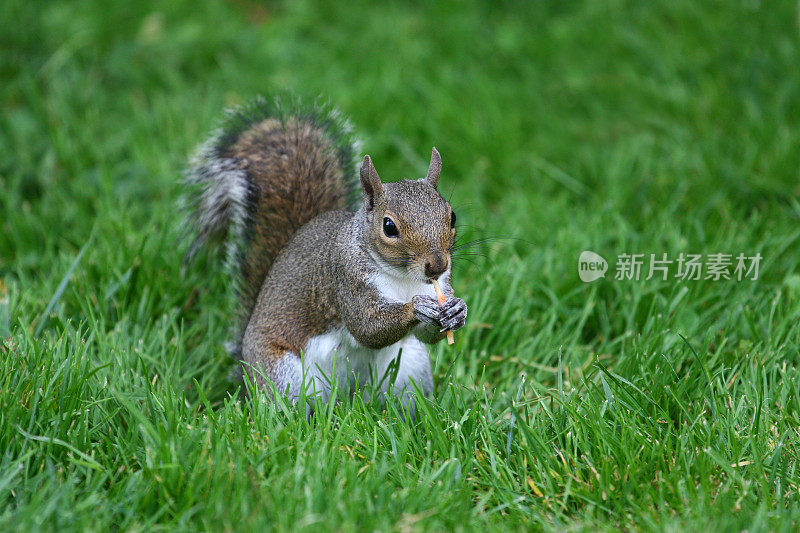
pixel 435 266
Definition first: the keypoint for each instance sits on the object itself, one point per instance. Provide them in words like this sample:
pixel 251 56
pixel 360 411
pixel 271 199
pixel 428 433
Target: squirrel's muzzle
pixel 435 266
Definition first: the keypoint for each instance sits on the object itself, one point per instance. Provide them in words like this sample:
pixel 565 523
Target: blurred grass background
pixel 658 127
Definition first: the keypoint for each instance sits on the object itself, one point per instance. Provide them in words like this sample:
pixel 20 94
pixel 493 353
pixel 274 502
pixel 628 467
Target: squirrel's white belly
pixel 335 355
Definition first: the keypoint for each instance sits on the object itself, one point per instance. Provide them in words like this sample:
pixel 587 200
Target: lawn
pixel 618 127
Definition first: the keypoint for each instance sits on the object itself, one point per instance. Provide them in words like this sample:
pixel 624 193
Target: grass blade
pixel 44 318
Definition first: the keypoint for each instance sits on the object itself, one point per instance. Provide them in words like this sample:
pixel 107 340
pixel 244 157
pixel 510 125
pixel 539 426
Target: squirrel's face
pixel 411 227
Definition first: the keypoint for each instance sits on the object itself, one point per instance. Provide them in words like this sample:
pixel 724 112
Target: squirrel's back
pixel 269 169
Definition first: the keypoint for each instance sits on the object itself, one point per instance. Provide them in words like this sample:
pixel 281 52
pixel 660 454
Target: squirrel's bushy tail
pixel 271 167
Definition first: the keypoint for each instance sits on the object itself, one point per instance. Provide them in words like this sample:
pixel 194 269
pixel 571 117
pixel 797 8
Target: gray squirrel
pixel 330 287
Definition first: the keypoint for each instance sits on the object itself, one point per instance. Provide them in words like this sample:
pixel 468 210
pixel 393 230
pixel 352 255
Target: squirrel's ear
pixel 434 169
pixel 370 182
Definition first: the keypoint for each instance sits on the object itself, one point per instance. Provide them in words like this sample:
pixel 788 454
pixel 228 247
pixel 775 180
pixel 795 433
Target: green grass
pixel 636 127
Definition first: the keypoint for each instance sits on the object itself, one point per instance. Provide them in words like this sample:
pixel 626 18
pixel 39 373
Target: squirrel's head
pixel 411 228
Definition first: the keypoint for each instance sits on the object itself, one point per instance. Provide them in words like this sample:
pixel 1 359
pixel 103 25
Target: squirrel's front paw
pixel 426 309
pixel 454 314
pixel 450 316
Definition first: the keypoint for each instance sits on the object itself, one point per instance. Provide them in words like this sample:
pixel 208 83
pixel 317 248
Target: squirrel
pixel 331 288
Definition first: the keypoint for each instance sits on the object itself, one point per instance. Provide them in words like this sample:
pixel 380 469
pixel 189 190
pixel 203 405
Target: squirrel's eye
pixel 452 219
pixel 389 229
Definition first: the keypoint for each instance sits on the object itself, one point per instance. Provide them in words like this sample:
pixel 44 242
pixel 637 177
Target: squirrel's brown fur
pixel 272 166
pixel 297 175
